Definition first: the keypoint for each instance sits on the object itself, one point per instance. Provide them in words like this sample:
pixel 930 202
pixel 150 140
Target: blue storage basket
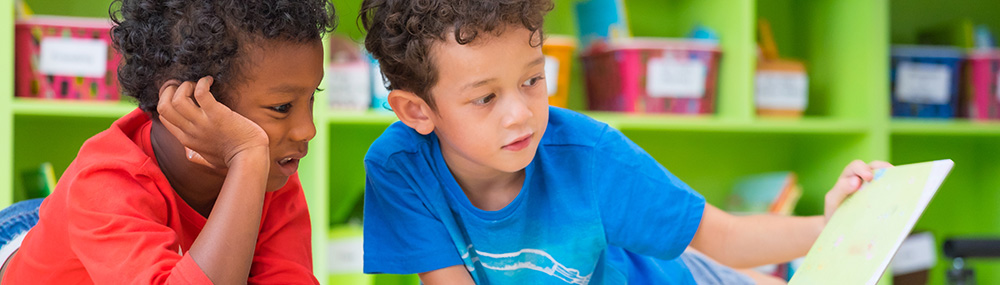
pixel 948 57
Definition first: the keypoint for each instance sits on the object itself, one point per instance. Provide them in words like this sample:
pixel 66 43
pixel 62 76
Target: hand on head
pixel 211 133
pixel 849 182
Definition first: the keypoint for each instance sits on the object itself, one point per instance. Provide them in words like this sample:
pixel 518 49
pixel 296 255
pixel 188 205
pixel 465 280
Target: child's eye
pixel 283 108
pixel 485 99
pixel 533 81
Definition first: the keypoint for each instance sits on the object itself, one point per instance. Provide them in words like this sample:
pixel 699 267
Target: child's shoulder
pixel 567 127
pixel 117 145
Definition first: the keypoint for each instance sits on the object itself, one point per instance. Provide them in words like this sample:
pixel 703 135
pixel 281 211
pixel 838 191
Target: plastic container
pixel 983 83
pixel 559 52
pixel 348 77
pixel 645 75
pixel 65 58
pixel 925 81
pixel 781 86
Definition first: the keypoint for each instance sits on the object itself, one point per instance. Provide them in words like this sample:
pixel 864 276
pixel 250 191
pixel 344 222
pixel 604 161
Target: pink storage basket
pixel 618 76
pixel 983 83
pixel 31 81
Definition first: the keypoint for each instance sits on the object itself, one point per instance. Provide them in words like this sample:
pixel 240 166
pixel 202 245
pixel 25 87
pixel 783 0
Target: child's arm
pixel 747 241
pixel 284 244
pixel 224 248
pixel 457 275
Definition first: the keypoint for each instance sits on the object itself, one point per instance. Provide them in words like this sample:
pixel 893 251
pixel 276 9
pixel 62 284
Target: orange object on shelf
pixel 559 53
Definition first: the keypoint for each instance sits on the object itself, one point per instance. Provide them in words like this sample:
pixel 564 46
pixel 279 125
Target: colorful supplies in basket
pixel 645 75
pixel 601 20
pixel 65 58
pixel 925 81
pixel 983 85
pixel 781 86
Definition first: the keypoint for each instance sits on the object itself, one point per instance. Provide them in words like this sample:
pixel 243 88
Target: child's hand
pixel 849 182
pixel 211 132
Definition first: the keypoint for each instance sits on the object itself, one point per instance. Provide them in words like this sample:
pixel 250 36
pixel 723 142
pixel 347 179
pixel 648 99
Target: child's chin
pixel 273 184
pixel 519 164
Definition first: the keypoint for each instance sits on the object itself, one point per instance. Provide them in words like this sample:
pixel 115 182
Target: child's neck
pixel 198 188
pixel 491 193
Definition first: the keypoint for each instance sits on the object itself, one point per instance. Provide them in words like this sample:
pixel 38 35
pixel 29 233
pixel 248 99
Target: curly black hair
pixel 401 32
pixel 189 39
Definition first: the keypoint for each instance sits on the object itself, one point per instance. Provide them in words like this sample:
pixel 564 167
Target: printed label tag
pixel 73 57
pixel 922 83
pixel 551 74
pixel 668 77
pixel 781 90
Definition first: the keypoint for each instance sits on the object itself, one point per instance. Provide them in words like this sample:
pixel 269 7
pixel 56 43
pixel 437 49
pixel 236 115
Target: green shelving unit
pixel 845 44
pixel 6 97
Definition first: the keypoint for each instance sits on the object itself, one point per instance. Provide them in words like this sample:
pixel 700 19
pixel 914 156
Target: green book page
pixel 860 239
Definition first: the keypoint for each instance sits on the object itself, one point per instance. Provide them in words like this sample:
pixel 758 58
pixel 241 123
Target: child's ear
pixel 412 111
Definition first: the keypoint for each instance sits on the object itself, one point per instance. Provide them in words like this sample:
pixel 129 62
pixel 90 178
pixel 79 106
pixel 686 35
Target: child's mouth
pixel 288 165
pixel 519 144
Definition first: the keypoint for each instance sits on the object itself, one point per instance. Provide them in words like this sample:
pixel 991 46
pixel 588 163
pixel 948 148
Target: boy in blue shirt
pixel 481 181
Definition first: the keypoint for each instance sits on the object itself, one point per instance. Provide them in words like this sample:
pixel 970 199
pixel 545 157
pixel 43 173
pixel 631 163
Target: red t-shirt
pixel 114 219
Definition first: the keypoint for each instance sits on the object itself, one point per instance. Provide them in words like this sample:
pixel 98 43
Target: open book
pixel 865 232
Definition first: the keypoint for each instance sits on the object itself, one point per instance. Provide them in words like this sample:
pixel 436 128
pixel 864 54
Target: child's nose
pixel 303 129
pixel 519 111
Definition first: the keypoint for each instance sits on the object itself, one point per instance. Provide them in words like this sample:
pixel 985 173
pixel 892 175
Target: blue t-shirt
pixel 594 207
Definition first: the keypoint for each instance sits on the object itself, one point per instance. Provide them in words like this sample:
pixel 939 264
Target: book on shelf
pixel 38 181
pixel 775 192
pixel 767 193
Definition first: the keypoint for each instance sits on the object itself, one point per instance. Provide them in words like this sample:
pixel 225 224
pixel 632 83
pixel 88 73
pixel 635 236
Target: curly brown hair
pixel 188 39
pixel 401 32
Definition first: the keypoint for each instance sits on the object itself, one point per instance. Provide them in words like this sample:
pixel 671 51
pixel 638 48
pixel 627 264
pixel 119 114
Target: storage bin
pixel 925 81
pixel 781 88
pixel 348 77
pixel 65 57
pixel 645 75
pixel 559 53
pixel 983 83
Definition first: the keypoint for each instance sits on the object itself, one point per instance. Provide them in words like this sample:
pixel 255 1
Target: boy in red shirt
pixel 198 185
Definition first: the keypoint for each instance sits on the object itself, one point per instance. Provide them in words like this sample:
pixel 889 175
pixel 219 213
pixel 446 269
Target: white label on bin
pixel 781 90
pixel 923 83
pixel 669 77
pixel 73 57
pixel 346 255
pixel 349 86
pixel 551 74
